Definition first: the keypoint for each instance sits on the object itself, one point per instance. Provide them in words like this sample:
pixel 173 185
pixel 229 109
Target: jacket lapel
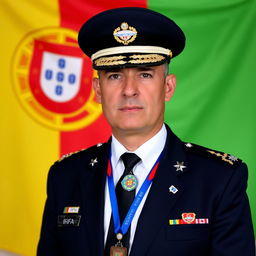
pixel 93 191
pixel 160 200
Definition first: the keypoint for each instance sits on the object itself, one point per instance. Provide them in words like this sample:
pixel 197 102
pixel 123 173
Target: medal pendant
pixel 129 182
pixel 118 251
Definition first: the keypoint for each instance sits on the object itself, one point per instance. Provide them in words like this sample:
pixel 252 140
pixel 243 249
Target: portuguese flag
pixel 213 106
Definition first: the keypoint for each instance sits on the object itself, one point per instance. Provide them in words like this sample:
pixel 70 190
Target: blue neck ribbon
pixel 118 228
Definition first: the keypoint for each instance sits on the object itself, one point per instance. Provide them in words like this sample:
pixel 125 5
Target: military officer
pixel 144 192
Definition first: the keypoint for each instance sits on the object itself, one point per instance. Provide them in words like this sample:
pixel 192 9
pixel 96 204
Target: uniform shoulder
pixel 225 158
pixel 87 151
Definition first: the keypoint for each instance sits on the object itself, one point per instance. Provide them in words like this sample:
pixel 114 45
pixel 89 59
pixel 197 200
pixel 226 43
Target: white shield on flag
pixel 60 76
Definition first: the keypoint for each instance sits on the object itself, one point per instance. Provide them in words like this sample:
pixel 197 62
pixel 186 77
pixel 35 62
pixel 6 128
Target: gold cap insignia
pixel 125 34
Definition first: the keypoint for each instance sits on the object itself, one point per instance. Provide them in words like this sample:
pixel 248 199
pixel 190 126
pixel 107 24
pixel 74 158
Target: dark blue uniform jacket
pixel 212 188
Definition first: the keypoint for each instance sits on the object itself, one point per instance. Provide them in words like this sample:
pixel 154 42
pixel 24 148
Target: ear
pixel 170 85
pixel 96 88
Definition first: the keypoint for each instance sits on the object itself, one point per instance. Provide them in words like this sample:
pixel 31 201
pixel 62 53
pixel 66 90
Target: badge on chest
pixel 69 220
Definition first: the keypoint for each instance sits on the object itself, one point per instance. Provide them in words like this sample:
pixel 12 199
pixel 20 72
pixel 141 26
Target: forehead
pixel 133 69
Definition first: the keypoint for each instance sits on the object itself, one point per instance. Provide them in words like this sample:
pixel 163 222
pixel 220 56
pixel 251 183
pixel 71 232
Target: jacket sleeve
pixel 232 232
pixel 48 238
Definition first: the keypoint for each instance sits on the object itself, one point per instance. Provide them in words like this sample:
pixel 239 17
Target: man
pixel 165 197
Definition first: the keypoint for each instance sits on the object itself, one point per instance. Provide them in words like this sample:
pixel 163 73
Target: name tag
pixel 69 220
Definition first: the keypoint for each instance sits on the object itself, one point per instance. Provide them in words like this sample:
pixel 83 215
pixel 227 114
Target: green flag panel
pixel 214 103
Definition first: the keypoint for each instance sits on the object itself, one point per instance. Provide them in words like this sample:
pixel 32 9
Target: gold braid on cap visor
pixel 110 61
pixel 131 49
pixel 134 59
pixel 145 58
pixel 101 58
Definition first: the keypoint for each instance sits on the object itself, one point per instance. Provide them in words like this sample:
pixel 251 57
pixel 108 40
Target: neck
pixel 132 140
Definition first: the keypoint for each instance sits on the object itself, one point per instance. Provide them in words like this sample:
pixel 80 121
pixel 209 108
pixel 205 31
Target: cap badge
pixel 125 34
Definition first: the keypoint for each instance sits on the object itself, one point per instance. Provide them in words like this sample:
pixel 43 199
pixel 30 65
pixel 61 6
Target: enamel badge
pixel 129 182
pixel 125 34
pixel 71 209
pixel 188 217
pixel 173 189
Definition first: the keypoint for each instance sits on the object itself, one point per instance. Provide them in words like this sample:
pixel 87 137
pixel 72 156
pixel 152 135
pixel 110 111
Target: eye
pixel 114 76
pixel 146 75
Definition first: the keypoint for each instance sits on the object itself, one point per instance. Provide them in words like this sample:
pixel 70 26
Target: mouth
pixel 130 108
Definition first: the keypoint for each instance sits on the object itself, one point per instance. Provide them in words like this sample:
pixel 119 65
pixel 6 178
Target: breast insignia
pixel 227 158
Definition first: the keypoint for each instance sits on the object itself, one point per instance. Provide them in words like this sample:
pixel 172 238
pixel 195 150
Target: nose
pixel 130 88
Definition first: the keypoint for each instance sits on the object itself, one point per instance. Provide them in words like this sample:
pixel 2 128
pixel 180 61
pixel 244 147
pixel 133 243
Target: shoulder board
pixel 73 153
pixel 70 154
pixel 226 158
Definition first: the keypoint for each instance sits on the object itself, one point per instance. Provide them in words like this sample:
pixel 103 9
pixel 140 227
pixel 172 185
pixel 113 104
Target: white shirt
pixel 148 152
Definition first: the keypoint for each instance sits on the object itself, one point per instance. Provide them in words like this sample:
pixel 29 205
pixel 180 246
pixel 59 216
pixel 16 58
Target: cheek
pixel 156 102
pixel 109 99
pixel 155 97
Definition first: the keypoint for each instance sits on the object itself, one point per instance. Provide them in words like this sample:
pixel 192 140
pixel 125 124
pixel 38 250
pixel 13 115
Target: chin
pixel 130 126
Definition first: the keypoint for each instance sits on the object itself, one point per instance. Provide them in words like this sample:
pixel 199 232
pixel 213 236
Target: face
pixel 133 99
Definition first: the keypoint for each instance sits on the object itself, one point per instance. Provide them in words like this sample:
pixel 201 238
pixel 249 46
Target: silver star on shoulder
pixel 99 144
pixel 93 161
pixel 180 166
pixel 232 158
